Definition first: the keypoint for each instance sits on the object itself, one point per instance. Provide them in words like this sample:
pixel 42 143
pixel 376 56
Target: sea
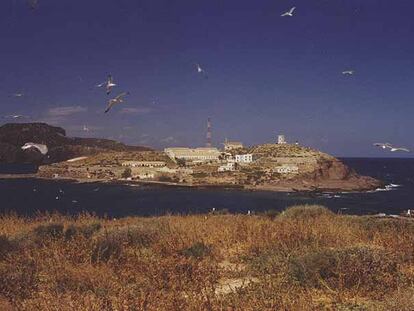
pixel 31 196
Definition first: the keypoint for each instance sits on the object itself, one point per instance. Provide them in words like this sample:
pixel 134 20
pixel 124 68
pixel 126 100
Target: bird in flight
pixel 391 147
pixel 117 100
pixel 348 72
pixel 42 148
pixel 289 13
pixel 16 116
pixel 383 145
pixel 18 95
pixel 108 84
pixel 201 70
pixel 85 128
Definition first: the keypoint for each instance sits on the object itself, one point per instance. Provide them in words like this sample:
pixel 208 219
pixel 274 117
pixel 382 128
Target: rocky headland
pixel 90 159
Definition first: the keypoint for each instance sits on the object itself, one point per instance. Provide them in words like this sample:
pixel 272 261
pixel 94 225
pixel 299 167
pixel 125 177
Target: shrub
pixel 86 230
pixel 355 267
pixel 165 178
pixel 126 173
pixel 272 214
pixel 6 246
pixel 18 278
pixel 105 248
pixel 49 231
pixel 110 244
pixel 197 250
pixel 306 212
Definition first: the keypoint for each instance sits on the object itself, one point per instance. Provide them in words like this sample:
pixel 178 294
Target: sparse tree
pixel 126 173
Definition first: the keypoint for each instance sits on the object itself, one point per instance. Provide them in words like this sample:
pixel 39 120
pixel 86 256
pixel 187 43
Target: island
pixel 277 166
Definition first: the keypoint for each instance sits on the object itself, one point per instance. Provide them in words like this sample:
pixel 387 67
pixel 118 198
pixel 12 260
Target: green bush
pixel 197 250
pixel 306 212
pixel 356 267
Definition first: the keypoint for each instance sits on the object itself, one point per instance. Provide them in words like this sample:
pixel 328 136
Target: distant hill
pixel 61 147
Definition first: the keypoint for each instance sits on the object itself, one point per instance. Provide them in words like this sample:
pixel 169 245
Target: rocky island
pixel 274 167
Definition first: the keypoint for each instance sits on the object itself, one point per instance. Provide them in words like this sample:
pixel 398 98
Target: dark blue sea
pixel 30 196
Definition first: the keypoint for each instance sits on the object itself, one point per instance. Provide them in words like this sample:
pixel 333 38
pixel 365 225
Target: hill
pixel 61 147
pixel 306 258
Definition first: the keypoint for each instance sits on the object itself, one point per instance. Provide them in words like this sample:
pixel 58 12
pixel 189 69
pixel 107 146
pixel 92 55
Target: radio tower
pixel 208 144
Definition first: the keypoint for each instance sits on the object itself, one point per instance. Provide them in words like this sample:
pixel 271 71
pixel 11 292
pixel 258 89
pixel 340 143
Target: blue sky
pixel 267 74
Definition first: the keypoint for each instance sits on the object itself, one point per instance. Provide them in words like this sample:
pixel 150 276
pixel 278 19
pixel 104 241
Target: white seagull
pixel 18 94
pixel 109 84
pixel 383 145
pixel 85 128
pixel 391 147
pixel 289 13
pixel 201 70
pixel 117 100
pixel 16 116
pixel 42 148
pixel 348 72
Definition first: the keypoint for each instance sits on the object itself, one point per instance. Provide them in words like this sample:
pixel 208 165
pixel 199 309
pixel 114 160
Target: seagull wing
pixel 400 149
pixel 292 9
pixel 120 96
pixel 110 104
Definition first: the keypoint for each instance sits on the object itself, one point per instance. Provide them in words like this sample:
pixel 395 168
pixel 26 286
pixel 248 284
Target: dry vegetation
pixel 303 259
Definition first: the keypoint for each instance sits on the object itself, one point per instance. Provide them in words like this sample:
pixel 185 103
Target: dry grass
pixel 306 258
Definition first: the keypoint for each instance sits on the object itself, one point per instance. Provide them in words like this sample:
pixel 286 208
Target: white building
pixel 244 158
pixel 228 167
pixel 281 139
pixel 195 154
pixel 287 169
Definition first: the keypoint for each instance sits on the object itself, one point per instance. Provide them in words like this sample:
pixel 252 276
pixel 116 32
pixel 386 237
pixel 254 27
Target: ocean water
pixel 31 196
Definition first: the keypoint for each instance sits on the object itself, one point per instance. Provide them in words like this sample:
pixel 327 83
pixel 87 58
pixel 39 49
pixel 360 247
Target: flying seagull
pixel 109 84
pixel 289 13
pixel 348 72
pixel 201 70
pixel 16 116
pixel 18 94
pixel 42 148
pixel 117 100
pixel 383 145
pixel 391 147
pixel 85 128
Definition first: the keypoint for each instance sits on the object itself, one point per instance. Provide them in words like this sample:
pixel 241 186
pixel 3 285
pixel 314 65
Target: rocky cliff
pixel 61 147
pixel 317 170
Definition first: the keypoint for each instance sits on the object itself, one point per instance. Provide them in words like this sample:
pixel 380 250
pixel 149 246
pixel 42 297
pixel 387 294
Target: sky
pixel 267 74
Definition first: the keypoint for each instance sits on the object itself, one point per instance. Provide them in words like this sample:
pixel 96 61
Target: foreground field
pixel 306 258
